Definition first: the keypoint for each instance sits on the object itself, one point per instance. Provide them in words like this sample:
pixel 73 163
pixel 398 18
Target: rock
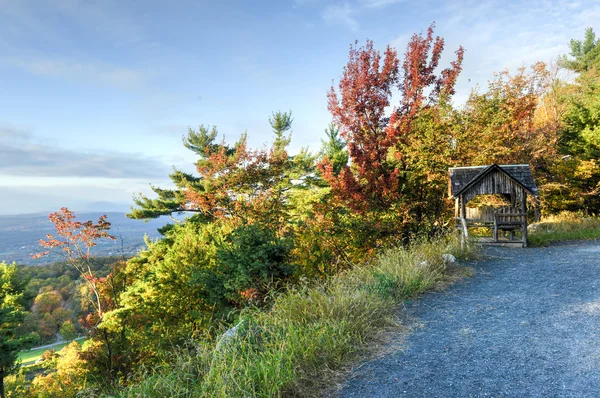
pixel 533 227
pixel 448 258
pixel 229 336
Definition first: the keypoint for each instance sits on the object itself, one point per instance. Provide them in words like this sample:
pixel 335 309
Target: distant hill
pixel 20 234
pixel 107 206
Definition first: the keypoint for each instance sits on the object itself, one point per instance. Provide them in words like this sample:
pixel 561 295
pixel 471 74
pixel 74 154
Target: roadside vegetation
pixel 311 331
pixel 564 226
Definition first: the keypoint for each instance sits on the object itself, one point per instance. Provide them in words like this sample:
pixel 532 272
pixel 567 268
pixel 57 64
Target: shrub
pixel 564 226
pixel 253 260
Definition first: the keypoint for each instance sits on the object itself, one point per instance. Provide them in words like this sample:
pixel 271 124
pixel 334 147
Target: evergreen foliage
pixel 333 148
pixel 585 54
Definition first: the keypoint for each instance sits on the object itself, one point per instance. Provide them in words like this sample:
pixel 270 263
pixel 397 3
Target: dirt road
pixel 527 324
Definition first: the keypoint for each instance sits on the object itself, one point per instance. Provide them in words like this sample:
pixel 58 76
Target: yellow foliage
pixel 68 378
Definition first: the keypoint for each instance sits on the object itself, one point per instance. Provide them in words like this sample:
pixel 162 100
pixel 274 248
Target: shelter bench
pixel 510 222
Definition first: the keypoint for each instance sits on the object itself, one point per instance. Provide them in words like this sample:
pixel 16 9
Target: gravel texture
pixel 527 324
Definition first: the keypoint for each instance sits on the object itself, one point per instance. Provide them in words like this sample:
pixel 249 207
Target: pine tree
pixel 334 148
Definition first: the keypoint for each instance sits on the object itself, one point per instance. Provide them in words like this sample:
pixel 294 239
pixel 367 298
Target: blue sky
pixel 95 95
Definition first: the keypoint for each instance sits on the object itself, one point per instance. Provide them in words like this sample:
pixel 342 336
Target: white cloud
pixel 344 14
pixel 500 35
pixel 52 38
pixel 21 155
pixel 108 20
pixel 14 133
pixel 400 43
pixel 379 3
pixel 95 72
pixel 23 199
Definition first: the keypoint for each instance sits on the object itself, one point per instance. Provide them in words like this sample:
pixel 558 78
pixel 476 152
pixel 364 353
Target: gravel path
pixel 527 324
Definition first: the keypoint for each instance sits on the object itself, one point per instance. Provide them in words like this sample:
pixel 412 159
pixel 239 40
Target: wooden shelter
pixel 512 184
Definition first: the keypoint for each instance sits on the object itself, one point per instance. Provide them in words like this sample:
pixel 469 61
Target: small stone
pixel 448 258
pixel 227 337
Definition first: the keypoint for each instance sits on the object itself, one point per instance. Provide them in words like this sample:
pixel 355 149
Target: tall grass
pixel 564 226
pixel 310 332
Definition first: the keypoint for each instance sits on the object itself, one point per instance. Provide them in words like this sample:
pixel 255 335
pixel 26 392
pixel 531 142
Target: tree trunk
pixel 2 384
pixel 109 352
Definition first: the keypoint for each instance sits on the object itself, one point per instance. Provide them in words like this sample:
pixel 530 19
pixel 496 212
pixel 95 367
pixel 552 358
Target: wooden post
pixel 463 220
pixel 524 204
pixel 456 208
pixel 495 227
pixel 457 223
pixel 463 215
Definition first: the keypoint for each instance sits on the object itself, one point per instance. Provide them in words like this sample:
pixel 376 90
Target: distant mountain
pixel 20 234
pixel 107 207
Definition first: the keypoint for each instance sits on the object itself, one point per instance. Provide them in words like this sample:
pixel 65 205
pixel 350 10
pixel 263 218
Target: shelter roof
pixel 463 177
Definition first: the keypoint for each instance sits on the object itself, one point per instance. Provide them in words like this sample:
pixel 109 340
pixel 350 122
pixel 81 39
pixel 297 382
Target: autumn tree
pixel 235 245
pixel 70 378
pixel 365 91
pixel 381 175
pixel 579 133
pixel 501 120
pixel 47 302
pixel 74 240
pixel 47 314
pixel 233 182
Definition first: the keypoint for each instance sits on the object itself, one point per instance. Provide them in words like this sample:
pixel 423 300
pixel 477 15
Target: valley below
pixel 20 235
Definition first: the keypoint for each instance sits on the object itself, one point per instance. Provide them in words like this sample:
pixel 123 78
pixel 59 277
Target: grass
pixel 30 356
pixel 564 226
pixel 311 332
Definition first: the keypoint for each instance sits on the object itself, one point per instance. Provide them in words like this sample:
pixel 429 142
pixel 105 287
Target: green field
pixel 30 356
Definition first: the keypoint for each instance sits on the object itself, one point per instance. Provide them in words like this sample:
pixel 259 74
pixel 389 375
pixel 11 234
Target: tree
pixel 333 148
pixel 46 303
pixel 579 133
pixel 75 239
pixel 12 315
pixel 381 180
pixel 233 183
pixel 585 53
pixel 365 91
pixel 281 122
pixel 179 286
pixel 69 378
pixel 501 122
pixel 68 331
pixel 173 290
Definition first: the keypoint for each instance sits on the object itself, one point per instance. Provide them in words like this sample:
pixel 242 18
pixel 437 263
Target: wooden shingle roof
pixel 461 177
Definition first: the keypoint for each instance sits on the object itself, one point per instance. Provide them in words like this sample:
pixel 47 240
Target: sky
pixel 95 95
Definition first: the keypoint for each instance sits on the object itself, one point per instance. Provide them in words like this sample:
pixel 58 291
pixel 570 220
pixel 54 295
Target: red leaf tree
pixel 375 178
pixel 365 90
pixel 75 240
